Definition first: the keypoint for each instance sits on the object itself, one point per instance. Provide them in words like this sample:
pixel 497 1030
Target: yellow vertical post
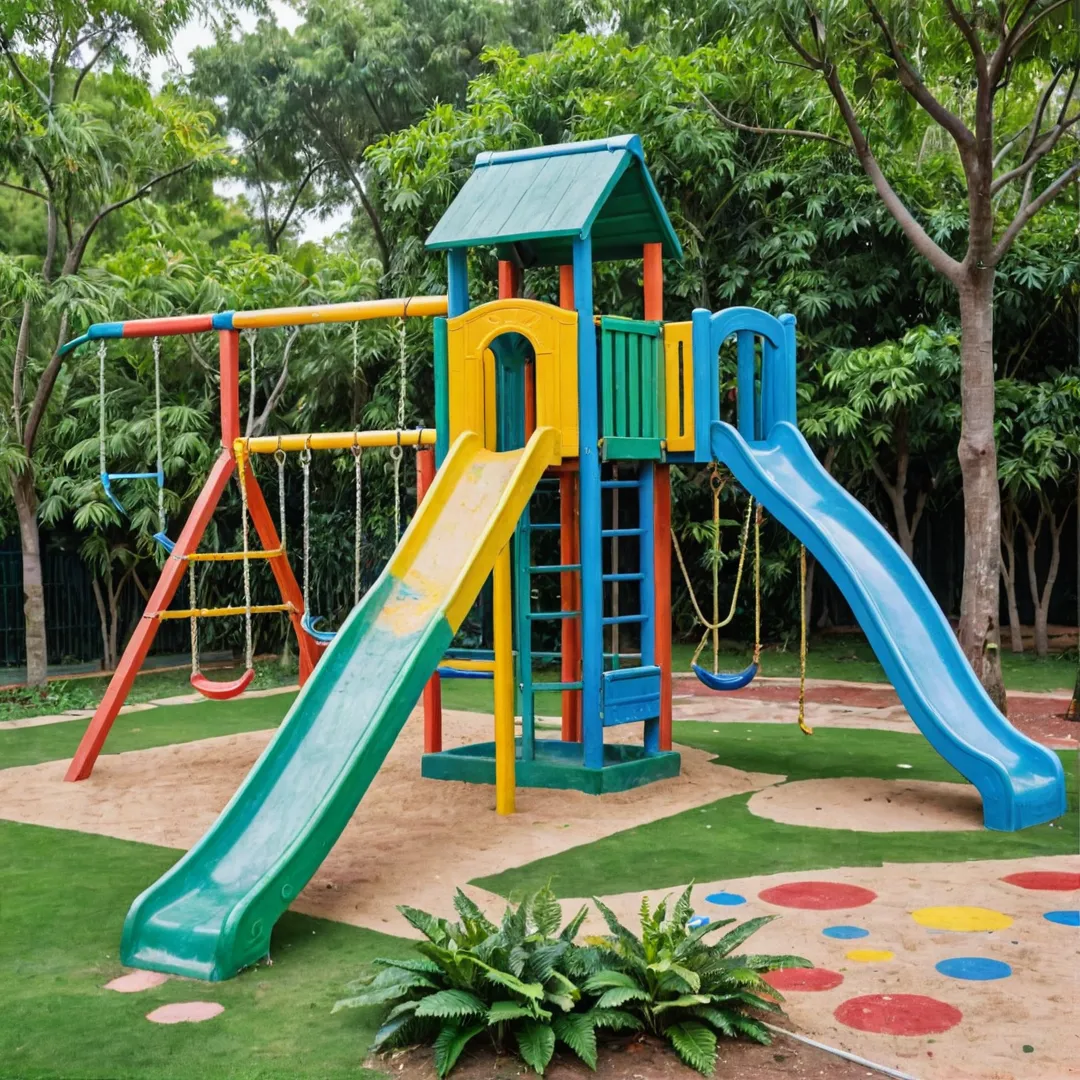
pixel 504 687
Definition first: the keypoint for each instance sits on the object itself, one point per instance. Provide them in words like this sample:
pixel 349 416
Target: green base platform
pixel 556 765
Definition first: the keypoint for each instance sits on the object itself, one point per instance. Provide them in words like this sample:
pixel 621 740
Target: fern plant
pixel 514 982
pixel 673 983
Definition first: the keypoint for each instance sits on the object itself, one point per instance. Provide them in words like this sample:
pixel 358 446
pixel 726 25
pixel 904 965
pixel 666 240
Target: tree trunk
pixel 1041 597
pixel 107 662
pixel 1008 575
pixel 37 653
pixel 979 629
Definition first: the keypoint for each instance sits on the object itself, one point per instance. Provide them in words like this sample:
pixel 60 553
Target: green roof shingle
pixel 531 204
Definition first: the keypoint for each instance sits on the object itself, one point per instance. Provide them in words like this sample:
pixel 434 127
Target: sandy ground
pixel 870 805
pixel 411 840
pixel 1036 1006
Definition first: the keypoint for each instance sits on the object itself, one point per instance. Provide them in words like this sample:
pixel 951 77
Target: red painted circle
pixel 898 1014
pixel 1047 880
pixel 818 895
pixel 803 979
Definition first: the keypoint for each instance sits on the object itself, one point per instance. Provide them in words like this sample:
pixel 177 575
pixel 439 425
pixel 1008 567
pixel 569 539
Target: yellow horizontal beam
pixel 355 311
pixel 232 556
pixel 218 612
pixel 467 665
pixel 334 440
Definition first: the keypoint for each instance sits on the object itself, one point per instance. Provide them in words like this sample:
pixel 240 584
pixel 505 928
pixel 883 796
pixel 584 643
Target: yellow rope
pixel 713 627
pixel 803 725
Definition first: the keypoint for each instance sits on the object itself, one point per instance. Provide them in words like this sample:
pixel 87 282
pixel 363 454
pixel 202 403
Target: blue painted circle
pixel 974 968
pixel 698 921
pixel 845 933
pixel 1065 918
pixel 726 899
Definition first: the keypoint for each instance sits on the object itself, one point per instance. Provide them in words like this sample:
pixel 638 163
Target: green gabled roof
pixel 532 204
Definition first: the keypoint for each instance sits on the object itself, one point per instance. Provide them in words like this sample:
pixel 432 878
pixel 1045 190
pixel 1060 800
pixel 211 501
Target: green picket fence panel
pixel 633 409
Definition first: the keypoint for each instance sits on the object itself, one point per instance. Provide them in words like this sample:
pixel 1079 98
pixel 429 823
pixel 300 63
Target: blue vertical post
pixel 647 569
pixel 442 391
pixel 790 403
pixel 772 361
pixel 706 402
pixel 592 591
pixel 745 383
pixel 457 282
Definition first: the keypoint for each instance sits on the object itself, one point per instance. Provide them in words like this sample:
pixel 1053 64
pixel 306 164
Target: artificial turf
pixel 724 840
pixel 63 897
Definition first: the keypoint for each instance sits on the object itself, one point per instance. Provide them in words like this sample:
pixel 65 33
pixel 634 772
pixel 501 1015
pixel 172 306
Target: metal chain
pixel 395 457
pixel 758 518
pixel 803 725
pixel 250 336
pixel 101 408
pixel 357 453
pixel 305 465
pixel 279 457
pixel 402 361
pixel 395 451
pixel 157 425
pixel 355 369
pixel 249 658
pixel 193 604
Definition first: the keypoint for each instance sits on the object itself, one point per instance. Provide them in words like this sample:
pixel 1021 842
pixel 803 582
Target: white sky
pixel 196 34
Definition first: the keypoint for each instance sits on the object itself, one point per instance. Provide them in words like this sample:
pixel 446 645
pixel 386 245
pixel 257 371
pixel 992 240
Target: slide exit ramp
pixel 1021 782
pixel 213 912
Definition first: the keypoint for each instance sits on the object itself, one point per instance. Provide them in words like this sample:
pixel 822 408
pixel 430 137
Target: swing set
pixel 727 681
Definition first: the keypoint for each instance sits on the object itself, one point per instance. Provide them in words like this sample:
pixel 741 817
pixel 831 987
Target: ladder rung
pixel 620 532
pixel 213 613
pixel 623 577
pixel 556 568
pixel 618 484
pixel 618 620
pixel 232 556
pixel 542 526
pixel 545 616
pixel 554 687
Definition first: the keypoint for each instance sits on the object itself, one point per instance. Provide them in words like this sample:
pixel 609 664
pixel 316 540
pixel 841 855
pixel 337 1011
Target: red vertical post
pixel 229 361
pixel 653 281
pixel 569 553
pixel 432 697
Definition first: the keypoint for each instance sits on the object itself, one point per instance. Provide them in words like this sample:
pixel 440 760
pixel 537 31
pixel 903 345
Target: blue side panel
pixel 631 695
pixel 1021 782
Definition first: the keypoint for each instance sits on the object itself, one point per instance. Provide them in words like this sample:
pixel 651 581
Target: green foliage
pixel 527 978
pixel 513 981
pixel 675 984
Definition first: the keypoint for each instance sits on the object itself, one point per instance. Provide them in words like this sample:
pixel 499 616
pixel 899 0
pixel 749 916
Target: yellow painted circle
pixel 962 918
pixel 869 956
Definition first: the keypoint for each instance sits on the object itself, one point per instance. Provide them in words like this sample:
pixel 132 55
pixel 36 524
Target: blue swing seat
pixel 323 637
pixel 734 681
pixel 462 673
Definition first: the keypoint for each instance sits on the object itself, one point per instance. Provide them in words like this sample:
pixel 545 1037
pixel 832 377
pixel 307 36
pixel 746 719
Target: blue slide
pixel 1021 782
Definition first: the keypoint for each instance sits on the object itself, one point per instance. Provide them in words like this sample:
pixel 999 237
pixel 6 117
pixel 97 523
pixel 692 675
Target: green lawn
pixel 64 899
pixel 846 656
pixel 724 840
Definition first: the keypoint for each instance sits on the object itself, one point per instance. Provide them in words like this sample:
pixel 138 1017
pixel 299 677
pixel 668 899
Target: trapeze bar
pixel 335 440
pixel 232 556
pixel 218 612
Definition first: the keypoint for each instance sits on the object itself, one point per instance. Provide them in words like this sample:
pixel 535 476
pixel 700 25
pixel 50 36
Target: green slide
pixel 212 913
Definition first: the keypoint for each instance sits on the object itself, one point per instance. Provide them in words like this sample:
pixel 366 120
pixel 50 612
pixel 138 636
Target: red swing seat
pixel 222 691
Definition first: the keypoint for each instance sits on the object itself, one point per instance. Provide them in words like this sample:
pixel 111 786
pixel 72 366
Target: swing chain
pixel 395 451
pixel 249 658
pixel 157 426
pixel 804 727
pixel 759 517
pixel 357 453
pixel 279 458
pixel 101 409
pixel 194 606
pixel 305 465
pixel 395 456
pixel 250 336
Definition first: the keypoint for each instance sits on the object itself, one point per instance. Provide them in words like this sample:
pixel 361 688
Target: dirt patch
pixel 411 841
pixel 1033 1007
pixel 870 805
pixel 640 1058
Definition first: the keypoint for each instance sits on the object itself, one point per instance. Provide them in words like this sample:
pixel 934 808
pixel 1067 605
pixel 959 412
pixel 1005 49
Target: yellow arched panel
pixel 552 332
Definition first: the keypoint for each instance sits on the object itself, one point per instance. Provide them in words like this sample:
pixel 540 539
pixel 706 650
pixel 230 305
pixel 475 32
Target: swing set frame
pixel 228 326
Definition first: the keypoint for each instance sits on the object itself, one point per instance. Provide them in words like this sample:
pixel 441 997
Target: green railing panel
pixel 632 390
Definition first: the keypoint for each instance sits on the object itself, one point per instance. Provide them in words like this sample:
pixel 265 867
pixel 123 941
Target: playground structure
pixel 532 401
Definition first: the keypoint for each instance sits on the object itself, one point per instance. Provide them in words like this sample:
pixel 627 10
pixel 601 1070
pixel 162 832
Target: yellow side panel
pixel 679 379
pixel 552 332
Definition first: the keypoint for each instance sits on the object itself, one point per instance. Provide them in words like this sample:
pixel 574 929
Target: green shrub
pixel 673 983
pixel 515 982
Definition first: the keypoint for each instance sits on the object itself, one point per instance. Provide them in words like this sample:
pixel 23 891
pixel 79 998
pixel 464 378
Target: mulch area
pixel 639 1058
pixel 1040 717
